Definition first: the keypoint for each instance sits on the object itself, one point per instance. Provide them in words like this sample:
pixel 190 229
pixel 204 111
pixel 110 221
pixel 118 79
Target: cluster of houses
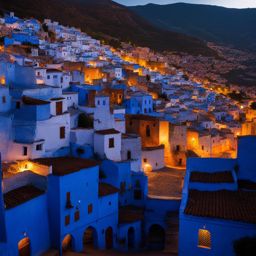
pixel 83 123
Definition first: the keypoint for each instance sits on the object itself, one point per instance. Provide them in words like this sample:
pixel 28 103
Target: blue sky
pixel 226 3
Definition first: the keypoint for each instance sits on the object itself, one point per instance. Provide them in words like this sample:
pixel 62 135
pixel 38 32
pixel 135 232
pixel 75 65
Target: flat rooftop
pixel 107 132
pixel 166 182
pixel 66 165
pixel 21 195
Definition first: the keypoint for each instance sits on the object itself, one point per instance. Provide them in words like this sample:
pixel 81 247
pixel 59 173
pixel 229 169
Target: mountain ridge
pixel 230 26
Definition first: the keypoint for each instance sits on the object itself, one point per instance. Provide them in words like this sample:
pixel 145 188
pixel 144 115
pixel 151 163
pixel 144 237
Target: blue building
pixel 218 203
pixel 71 204
pixel 21 37
pixel 139 103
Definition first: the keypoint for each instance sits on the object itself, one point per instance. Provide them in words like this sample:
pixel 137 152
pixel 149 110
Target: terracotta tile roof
pixel 223 204
pixel 216 177
pixel 107 189
pixel 107 132
pixel 246 184
pixel 65 165
pixel 32 101
pixel 129 214
pixel 21 195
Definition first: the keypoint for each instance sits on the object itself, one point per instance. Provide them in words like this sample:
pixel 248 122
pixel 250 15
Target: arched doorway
pixel 90 239
pixel 67 243
pixel 109 238
pixel 131 238
pixel 156 237
pixel 24 247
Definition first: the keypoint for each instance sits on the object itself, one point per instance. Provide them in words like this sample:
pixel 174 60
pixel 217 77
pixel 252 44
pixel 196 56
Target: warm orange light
pixel 147 167
pixel 204 239
pixel 2 80
pixel 24 166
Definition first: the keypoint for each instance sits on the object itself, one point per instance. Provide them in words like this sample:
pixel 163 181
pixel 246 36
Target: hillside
pixel 234 27
pixel 107 20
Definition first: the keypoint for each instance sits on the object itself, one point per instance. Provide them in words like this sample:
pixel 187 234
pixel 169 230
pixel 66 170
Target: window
pixel 68 196
pixel 61 79
pixel 39 147
pixel 90 208
pixel 130 123
pixel 55 76
pixel 178 148
pixel 77 216
pixel 4 99
pixel 25 151
pixel 67 220
pixel 111 143
pixel 68 201
pixel 104 102
pixel 62 132
pixel 145 160
pixel 202 147
pixel 48 77
pixel 129 155
pixel 17 105
pixel 204 239
pixel 148 131
pixel 122 187
pixel 59 108
pixel 137 194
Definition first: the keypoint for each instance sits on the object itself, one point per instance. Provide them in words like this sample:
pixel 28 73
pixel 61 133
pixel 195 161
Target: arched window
pixel 204 239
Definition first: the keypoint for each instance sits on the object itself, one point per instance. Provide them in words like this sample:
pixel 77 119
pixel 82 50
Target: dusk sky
pixel 226 3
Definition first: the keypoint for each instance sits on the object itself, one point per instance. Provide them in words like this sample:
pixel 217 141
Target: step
pixel 51 252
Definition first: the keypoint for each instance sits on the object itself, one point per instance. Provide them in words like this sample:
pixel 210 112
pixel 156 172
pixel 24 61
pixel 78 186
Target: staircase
pixel 172 233
pixel 51 252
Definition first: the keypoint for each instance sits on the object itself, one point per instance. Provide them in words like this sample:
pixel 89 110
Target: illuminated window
pixel 204 239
